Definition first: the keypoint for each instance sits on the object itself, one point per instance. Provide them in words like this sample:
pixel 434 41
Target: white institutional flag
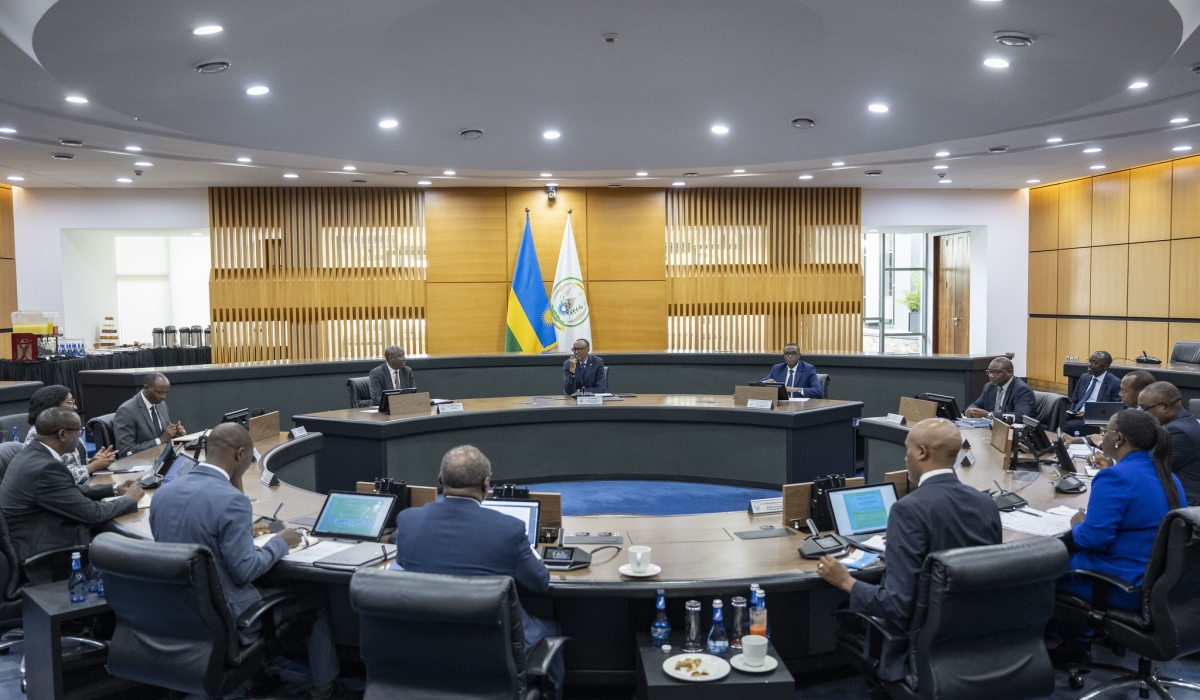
pixel 568 300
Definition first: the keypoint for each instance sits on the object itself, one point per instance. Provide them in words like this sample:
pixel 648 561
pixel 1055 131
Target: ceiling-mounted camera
pixel 551 190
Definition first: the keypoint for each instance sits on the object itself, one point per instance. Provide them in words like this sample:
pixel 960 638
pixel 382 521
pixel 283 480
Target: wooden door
pixel 952 294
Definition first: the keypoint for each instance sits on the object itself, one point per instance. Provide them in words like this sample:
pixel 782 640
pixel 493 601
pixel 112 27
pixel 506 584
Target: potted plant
pixel 912 300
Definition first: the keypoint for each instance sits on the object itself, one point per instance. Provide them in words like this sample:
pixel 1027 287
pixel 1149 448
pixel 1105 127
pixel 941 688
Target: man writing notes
pixel 942 513
pixel 1003 394
pixel 143 421
pixel 584 372
pixel 392 374
pixel 1096 385
pixel 800 378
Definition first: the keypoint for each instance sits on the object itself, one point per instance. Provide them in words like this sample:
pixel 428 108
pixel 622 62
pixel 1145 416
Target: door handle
pixel 955 320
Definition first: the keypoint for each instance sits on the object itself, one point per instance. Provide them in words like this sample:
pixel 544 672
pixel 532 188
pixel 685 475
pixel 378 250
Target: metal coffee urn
pixel 158 338
pixel 171 337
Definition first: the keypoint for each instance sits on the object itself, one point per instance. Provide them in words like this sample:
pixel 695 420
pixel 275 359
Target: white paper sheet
pixel 319 550
pixel 1063 511
pixel 1024 520
pixel 1079 451
pixel 798 399
pixel 876 542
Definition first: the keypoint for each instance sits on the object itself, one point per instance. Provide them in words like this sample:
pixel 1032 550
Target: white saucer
pixel 739 662
pixel 654 570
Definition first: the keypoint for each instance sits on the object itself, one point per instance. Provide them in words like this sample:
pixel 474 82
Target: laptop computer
pixel 153 478
pixel 346 515
pixel 527 511
pixel 181 465
pixel 861 512
pixel 1098 412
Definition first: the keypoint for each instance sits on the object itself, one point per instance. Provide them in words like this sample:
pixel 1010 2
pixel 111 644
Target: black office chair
pixel 8 451
pixel 20 421
pixel 1050 409
pixel 360 391
pixel 427 635
pixel 1168 624
pixel 977 627
pixel 1194 407
pixel 1187 351
pixel 824 379
pixel 100 431
pixel 607 386
pixel 173 628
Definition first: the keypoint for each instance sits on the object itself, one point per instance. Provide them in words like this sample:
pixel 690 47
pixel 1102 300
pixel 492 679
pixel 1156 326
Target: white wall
pixel 999 224
pixel 41 214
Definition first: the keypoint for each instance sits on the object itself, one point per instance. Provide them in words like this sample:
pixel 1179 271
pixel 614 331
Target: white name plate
pixel 298 431
pixel 766 505
pixel 450 408
pixel 267 478
pixel 895 418
pixel 589 400
pixel 759 404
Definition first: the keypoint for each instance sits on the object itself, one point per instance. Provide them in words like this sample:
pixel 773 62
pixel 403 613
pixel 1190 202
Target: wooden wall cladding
pixel 465 235
pixel 465 318
pixel 1150 203
pixel 1043 282
pixel 1075 214
pixel 8 271
pixel 1043 336
pixel 1043 218
pixel 547 219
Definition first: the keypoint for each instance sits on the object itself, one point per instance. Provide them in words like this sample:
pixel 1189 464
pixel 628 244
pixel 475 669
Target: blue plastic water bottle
pixel 77 584
pixel 660 631
pixel 93 578
pixel 718 641
pixel 15 438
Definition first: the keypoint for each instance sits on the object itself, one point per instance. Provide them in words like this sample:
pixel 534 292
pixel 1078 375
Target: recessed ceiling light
pixel 998 149
pixel 1138 85
pixel 143 164
pixel 877 107
pixel 1033 181
pixel 838 163
pixel 258 90
pixel 873 173
pixel 389 124
pixel 942 154
pixel 291 176
pixel 197 233
pixel 945 182
pixel 1016 39
pixel 645 174
pixel 448 172
pixel 358 182
pixel 243 159
pixel 74 143
pixel 63 156
pixel 806 177
pixel 678 184
pixel 133 148
pixel 349 167
pixel 546 175
pixel 124 179
pixel 424 182
pixel 210 29
pixel 551 184
pixel 1176 120
pixel 7 130
pixel 15 178
pixel 872 230
pixel 1093 149
pixel 1182 148
pixel 719 129
pixel 1098 167
pixel 1054 139
pixel 740 170
pixel 76 99
pixel 940 167
pixel 996 63
pixel 399 172
pixel 471 134
pixel 550 135
pixel 211 67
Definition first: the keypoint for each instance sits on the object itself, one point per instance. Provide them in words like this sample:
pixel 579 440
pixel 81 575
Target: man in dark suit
pixel 1096 385
pixel 1003 394
pixel 456 536
pixel 800 378
pixel 143 421
pixel 584 372
pixel 44 507
pixel 392 374
pixel 204 507
pixel 1163 401
pixel 942 513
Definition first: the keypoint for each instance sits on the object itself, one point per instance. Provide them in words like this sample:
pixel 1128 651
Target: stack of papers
pixel 320 550
pixel 876 543
pixel 974 422
pixel 1079 451
pixel 1036 522
pixel 860 559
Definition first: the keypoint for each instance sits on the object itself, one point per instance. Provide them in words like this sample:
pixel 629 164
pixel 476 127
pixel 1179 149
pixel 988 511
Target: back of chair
pixel 1171 587
pixel 1186 351
pixel 8 451
pixel 824 379
pixel 1050 409
pixel 360 391
pixel 1194 407
pixel 427 634
pixel 20 421
pixel 173 628
pixel 100 430
pixel 979 619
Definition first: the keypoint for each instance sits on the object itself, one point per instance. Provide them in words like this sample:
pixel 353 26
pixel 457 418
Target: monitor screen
pixel 359 516
pixel 181 466
pixel 862 509
pixel 525 511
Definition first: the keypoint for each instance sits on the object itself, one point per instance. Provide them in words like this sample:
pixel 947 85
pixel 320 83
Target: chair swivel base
pixel 1146 679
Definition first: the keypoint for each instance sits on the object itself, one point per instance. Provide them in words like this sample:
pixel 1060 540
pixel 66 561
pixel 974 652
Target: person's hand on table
pixel 768 380
pixel 290 536
pixel 260 528
pixel 975 413
pixel 1072 440
pixel 834 573
pixel 102 459
pixel 131 489
pixel 177 428
pixel 168 434
pixel 1100 462
pixel 1079 517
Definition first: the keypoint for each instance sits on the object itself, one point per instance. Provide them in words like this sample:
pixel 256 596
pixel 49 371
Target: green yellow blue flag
pixel 530 322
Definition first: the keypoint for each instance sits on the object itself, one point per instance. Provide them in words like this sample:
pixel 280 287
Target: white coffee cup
pixel 639 558
pixel 754 650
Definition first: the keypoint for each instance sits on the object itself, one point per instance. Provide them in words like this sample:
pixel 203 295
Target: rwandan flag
pixel 530 323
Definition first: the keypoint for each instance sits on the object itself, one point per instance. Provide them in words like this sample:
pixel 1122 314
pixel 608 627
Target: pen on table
pixel 277 509
pixel 1030 512
pixel 304 538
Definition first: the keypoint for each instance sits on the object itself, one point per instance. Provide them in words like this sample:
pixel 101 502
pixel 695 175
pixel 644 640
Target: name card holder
pixel 761 506
pixel 895 418
pixel 450 408
pixel 760 404
pixel 268 478
pixel 589 400
pixel 297 432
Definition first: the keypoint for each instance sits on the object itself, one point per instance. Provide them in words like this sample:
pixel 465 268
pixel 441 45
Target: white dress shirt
pixel 931 474
pixel 216 469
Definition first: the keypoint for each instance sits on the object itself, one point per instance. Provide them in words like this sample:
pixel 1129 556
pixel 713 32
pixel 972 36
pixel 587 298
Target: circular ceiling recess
pixel 520 68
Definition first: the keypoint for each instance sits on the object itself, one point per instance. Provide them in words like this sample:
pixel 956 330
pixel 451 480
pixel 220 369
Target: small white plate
pixel 739 662
pixel 716 667
pixel 654 570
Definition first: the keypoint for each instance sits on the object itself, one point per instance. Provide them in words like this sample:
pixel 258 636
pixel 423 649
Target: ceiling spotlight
pixel 124 179
pixel 1176 120
pixel 1097 167
pixel 15 178
pixel 609 37
pixel 358 182
pixel 448 172
pixel 878 108
pixel 1054 139
pixel 133 148
pixel 243 159
pixel 389 124
pixel 1011 38
pixel 7 130
pixel 614 185
pixel 73 143
pixel 471 133
pixel 873 173
pixel 998 149
pixel 806 177
pixel 399 172
pixel 1138 85
pixel 291 176
pixel 349 167
pixel 258 90
pixel 1033 181
pixel 678 184
pixel 211 67
pixel 940 167
pixel 424 182
pixel 546 175
pixel 645 174
pixel 210 29
pixel 945 182
pixel 143 164
pixel 691 174
pixel 76 99
pixel 739 171
pixel 942 154
pixel 63 156
pixel 1093 149
pixel 719 129
pixel 996 63
pixel 1182 148
pixel 197 233
pixel 551 135
pixel 872 230
pixel 838 163
pixel 803 123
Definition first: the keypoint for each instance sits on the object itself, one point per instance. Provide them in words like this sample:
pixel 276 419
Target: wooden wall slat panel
pixel 628 316
pixel 1043 218
pixel 1042 350
pixel 627 234
pixel 1185 278
pixel 1177 331
pixel 1109 280
pixel 1110 208
pixel 1043 282
pixel 1075 213
pixel 8 247
pixel 1109 336
pixel 1150 203
pixel 466 318
pixel 1185 198
pixel 1148 336
pixel 1074 335
pixel 466 233
pixel 1149 270
pixel 1074 281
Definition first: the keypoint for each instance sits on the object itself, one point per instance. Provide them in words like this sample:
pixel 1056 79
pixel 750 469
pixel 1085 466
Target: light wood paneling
pixel 7 243
pixel 1110 274
pixel 1149 279
pixel 1043 282
pixel 1148 336
pixel 627 234
pixel 1109 336
pixel 1075 213
pixel 1185 278
pixel 1074 281
pixel 1042 349
pixel 1110 208
pixel 1177 331
pixel 466 317
pixel 1150 203
pixel 547 219
pixel 1185 198
pixel 465 234
pixel 8 291
pixel 628 316
pixel 1043 218
pixel 1074 336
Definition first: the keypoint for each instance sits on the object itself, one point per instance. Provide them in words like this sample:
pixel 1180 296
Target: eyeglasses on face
pixel 1151 408
pixel 994 372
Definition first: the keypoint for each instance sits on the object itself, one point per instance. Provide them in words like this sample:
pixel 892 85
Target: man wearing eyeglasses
pixel 800 378
pixel 41 502
pixel 1163 401
pixel 1096 385
pixel 1003 394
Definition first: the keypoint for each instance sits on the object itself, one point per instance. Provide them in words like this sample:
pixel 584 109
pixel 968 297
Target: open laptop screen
pixel 525 511
pixel 181 466
pixel 862 510
pixel 354 516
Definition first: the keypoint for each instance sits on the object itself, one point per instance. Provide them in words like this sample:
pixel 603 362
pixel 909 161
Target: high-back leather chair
pixel 1050 409
pixel 435 636
pixel 1194 407
pixel 1186 351
pixel 174 629
pixel 1167 625
pixel 824 379
pixel 100 430
pixel 360 391
pixel 977 627
pixel 8 452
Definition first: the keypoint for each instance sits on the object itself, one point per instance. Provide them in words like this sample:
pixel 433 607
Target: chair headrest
pixel 973 569
pixel 435 598
pixel 161 562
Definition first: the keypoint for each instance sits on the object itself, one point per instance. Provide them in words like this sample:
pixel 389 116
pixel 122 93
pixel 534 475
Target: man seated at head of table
pixel 799 378
pixel 76 460
pixel 1003 394
pixel 44 508
pixel 1095 385
pixel 204 507
pixel 584 371
pixel 143 421
pixel 457 536
pixel 1131 386
pixel 1163 401
pixel 942 513
pixel 394 373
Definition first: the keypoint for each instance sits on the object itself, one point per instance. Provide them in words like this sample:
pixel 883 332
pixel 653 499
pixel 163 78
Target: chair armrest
pixel 1111 580
pixel 888 630
pixel 39 558
pixel 537 661
pixel 255 613
pixel 41 568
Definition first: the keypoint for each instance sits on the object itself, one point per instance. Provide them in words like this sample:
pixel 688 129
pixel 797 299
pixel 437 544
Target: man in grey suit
pixel 44 507
pixel 204 507
pixel 392 374
pixel 143 421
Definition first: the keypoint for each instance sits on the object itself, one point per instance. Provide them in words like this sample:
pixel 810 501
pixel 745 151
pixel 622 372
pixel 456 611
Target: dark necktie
pixel 791 377
pixel 154 417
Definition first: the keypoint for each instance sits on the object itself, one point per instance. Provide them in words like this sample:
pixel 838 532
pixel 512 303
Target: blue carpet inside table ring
pixel 635 497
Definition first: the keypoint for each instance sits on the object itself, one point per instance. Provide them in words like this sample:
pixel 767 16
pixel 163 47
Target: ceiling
pixel 645 102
